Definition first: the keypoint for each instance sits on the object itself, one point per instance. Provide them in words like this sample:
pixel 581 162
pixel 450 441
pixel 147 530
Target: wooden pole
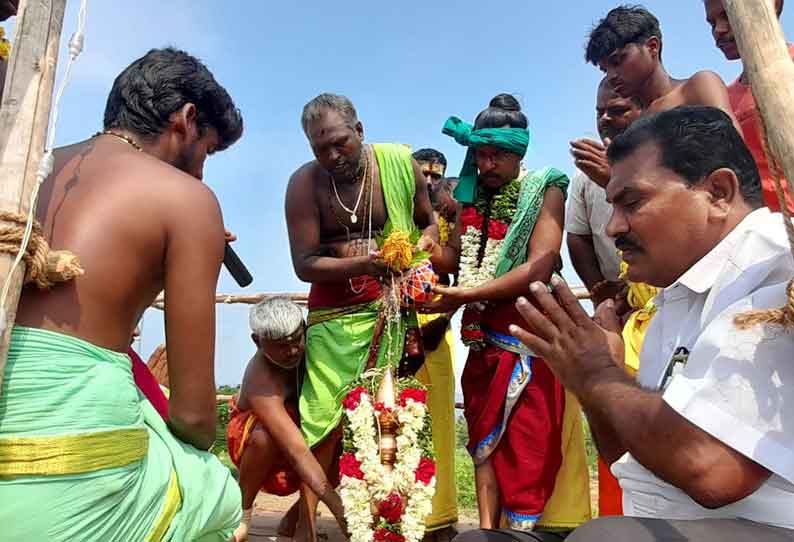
pixel 300 298
pixel 24 119
pixel 770 71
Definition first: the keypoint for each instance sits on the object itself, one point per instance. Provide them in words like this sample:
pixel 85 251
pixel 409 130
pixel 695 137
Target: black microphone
pixel 236 267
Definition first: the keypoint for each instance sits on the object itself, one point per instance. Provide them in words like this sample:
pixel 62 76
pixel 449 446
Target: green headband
pixel 514 140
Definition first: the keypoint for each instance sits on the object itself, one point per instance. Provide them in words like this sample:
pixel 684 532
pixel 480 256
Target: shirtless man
pixel 627 46
pixel 335 206
pixel 264 440
pixel 130 203
pixel 743 101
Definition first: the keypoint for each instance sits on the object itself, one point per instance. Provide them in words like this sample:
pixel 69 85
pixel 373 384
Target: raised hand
pixel 591 158
pixel 575 346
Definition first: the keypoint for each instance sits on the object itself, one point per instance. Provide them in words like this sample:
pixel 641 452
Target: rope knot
pixel 43 267
pixel 784 316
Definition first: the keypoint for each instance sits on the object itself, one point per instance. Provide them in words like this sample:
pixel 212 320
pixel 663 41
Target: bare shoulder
pixel 261 381
pixel 705 77
pixel 303 177
pixel 177 184
pixel 704 84
pixel 554 199
pixel 301 187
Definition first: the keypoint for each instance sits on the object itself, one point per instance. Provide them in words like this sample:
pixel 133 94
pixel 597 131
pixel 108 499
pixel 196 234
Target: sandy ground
pixel 269 509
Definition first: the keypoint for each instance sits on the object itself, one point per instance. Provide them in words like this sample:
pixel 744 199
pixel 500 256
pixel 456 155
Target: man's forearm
pixel 628 418
pixel 330 269
pixel 584 260
pixel 516 282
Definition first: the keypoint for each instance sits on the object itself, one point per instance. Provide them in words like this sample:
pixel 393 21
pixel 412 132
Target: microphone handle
pixel 236 267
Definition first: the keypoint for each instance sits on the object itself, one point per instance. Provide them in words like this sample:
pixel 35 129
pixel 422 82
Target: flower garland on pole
pixel 498 211
pixel 387 470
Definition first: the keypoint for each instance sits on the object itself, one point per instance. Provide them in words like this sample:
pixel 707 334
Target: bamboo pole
pixel 24 119
pixel 770 72
pixel 246 299
pixel 300 298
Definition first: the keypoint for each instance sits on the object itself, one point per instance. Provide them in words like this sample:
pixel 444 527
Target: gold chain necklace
pixel 354 211
pixel 122 137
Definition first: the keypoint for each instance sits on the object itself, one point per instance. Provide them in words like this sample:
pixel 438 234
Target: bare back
pixel 703 88
pixel 116 208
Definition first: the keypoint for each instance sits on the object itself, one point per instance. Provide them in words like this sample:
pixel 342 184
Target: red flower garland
pixel 497 230
pixel 350 466
pixel 470 217
pixel 391 509
pixel 353 398
pixel 426 470
pixel 385 535
pixel 420 396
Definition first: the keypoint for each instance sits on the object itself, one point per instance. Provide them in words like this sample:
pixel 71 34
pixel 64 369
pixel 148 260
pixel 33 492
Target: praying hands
pixel 579 350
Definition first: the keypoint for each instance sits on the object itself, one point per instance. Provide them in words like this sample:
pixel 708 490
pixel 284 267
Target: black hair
pixel 151 89
pixel 503 110
pixel 430 155
pixel 693 142
pixel 604 85
pixel 622 26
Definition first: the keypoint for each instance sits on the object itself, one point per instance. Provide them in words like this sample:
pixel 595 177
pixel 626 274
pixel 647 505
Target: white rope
pixel 47 160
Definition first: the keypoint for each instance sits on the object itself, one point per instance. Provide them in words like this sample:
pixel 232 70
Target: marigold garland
pixel 443 231
pixel 397 250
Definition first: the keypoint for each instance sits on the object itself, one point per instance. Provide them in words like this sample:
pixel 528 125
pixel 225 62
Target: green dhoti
pixel 84 456
pixel 337 351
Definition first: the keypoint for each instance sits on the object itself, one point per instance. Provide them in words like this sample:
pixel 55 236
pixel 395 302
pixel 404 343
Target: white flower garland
pixel 471 272
pixel 359 495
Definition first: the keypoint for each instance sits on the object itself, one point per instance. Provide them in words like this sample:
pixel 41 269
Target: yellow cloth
pixel 5 46
pixel 438 375
pixel 569 504
pixel 640 298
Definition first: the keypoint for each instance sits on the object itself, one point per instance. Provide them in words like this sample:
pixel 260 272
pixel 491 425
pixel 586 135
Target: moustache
pixel 725 41
pixel 623 244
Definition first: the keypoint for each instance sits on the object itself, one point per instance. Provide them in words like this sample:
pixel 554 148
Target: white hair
pixel 275 318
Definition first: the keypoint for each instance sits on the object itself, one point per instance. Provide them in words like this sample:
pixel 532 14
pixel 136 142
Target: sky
pixel 406 66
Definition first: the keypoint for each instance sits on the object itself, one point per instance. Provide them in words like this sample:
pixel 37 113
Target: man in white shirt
pixel 592 251
pixel 703 445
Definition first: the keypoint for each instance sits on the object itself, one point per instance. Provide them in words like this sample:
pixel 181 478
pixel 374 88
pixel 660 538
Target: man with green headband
pixel 525 434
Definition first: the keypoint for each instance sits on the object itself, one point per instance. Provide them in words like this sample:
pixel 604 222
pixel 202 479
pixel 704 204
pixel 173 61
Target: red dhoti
pixel 514 411
pixel 282 479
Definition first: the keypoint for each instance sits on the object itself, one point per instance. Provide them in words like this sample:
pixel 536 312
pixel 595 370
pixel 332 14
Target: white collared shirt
pixel 588 213
pixel 737 385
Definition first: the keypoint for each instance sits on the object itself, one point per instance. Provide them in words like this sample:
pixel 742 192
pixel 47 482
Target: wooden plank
pixel 24 118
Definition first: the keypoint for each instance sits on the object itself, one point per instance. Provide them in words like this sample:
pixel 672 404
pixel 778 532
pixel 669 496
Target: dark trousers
pixel 625 529
pixel 510 535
